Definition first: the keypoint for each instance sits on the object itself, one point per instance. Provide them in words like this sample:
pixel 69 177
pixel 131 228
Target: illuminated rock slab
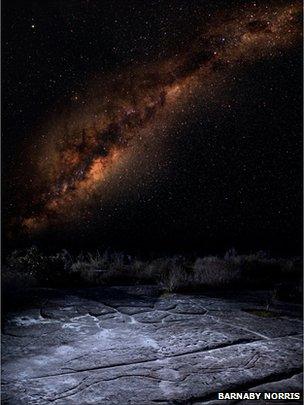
pixel 132 345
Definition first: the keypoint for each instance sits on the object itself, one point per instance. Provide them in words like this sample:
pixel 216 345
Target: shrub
pixel 173 273
pixel 213 271
pixel 43 269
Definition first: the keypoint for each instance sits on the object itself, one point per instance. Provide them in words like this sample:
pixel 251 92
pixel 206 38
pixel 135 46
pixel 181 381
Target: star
pixel 95 139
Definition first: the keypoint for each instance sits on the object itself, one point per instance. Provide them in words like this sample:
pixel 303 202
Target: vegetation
pixel 31 267
pixel 263 313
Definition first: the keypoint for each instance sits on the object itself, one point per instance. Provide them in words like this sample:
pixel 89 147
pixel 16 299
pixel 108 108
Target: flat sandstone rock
pixel 127 345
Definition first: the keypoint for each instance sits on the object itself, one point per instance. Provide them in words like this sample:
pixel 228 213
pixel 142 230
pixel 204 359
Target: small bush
pixel 213 271
pixel 34 265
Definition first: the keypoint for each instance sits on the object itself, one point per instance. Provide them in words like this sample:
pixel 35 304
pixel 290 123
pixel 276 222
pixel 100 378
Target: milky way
pixel 82 148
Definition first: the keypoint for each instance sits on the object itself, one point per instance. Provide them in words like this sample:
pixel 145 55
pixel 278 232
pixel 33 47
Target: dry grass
pixel 175 273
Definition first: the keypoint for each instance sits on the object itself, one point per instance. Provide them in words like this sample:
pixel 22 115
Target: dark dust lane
pixel 84 150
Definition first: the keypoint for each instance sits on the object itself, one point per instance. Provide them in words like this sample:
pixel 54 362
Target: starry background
pixel 239 185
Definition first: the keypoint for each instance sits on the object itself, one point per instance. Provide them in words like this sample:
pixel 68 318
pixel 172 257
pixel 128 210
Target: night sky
pixel 153 126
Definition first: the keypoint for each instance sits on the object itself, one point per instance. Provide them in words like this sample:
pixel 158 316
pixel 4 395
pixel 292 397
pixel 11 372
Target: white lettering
pixel 257 395
pixel 238 395
pixel 296 395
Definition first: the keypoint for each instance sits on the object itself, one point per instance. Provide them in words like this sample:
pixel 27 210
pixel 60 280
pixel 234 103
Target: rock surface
pixel 131 345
